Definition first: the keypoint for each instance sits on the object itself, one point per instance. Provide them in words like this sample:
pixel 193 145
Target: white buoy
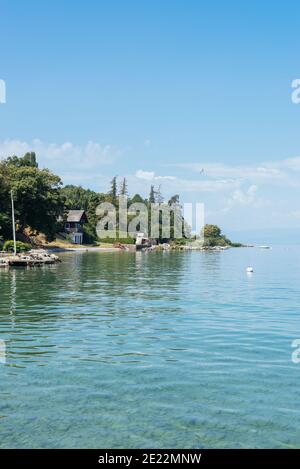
pixel 249 269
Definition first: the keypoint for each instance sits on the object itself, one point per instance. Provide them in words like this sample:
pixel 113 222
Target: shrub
pixel 21 247
pixel 181 241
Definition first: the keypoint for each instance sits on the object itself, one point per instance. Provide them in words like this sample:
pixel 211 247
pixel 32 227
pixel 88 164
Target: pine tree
pixel 174 200
pixel 113 190
pixel 159 196
pixel 123 187
pixel 152 195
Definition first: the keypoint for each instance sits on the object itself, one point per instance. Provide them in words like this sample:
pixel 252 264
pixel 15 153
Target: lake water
pixel 152 350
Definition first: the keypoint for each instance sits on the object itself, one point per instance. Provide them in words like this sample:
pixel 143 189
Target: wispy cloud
pixel 88 154
pixel 273 173
pixel 231 193
pixel 71 161
pixel 151 176
pixel 244 198
pixel 291 163
pixel 188 185
pixel 263 194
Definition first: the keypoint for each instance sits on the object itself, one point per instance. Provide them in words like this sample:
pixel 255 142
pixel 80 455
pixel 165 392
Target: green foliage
pixel 137 199
pixel 152 195
pixel 211 242
pixel 113 190
pixel 37 197
pixel 213 237
pixel 89 234
pixel 174 200
pixel 29 159
pixel 5 215
pixel 236 245
pixel 123 187
pixel 181 242
pixel 212 231
pixel 158 195
pixel 69 238
pixel 78 198
pixel 21 247
pixel 40 201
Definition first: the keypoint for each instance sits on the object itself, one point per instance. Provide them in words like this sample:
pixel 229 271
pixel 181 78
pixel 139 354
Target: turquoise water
pixel 156 350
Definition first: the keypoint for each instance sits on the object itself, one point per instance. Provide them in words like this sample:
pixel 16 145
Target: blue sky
pixel 156 91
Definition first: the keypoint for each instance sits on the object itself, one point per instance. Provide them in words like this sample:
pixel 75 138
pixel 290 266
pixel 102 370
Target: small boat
pixel 265 247
pixel 249 270
pixel 142 242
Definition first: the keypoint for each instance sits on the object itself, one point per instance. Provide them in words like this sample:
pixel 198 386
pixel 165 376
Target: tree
pixel 37 196
pixel 113 190
pixel 5 214
pixel 29 159
pixel 90 228
pixel 213 237
pixel 174 200
pixel 38 202
pixel 77 198
pixel 123 187
pixel 137 199
pixel 159 196
pixel 152 195
pixel 212 231
pixel 176 217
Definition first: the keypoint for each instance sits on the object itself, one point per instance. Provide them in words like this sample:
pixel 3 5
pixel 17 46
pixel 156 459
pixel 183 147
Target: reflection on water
pixel 151 350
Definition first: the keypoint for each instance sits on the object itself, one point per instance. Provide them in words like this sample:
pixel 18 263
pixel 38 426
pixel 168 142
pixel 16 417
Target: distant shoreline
pixel 131 248
pixel 84 249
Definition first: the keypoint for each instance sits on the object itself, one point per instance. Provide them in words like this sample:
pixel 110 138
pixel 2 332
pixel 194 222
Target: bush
pixel 181 242
pixel 21 247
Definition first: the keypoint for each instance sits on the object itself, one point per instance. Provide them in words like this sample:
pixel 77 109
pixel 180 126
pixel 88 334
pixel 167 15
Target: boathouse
pixel 74 225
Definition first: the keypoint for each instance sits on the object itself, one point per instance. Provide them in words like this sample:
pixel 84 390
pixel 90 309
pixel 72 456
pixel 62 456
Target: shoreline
pixel 84 249
pixel 133 249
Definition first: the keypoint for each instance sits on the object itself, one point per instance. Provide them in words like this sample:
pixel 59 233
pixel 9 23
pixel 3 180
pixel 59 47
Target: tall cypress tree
pixel 152 195
pixel 113 190
pixel 123 187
